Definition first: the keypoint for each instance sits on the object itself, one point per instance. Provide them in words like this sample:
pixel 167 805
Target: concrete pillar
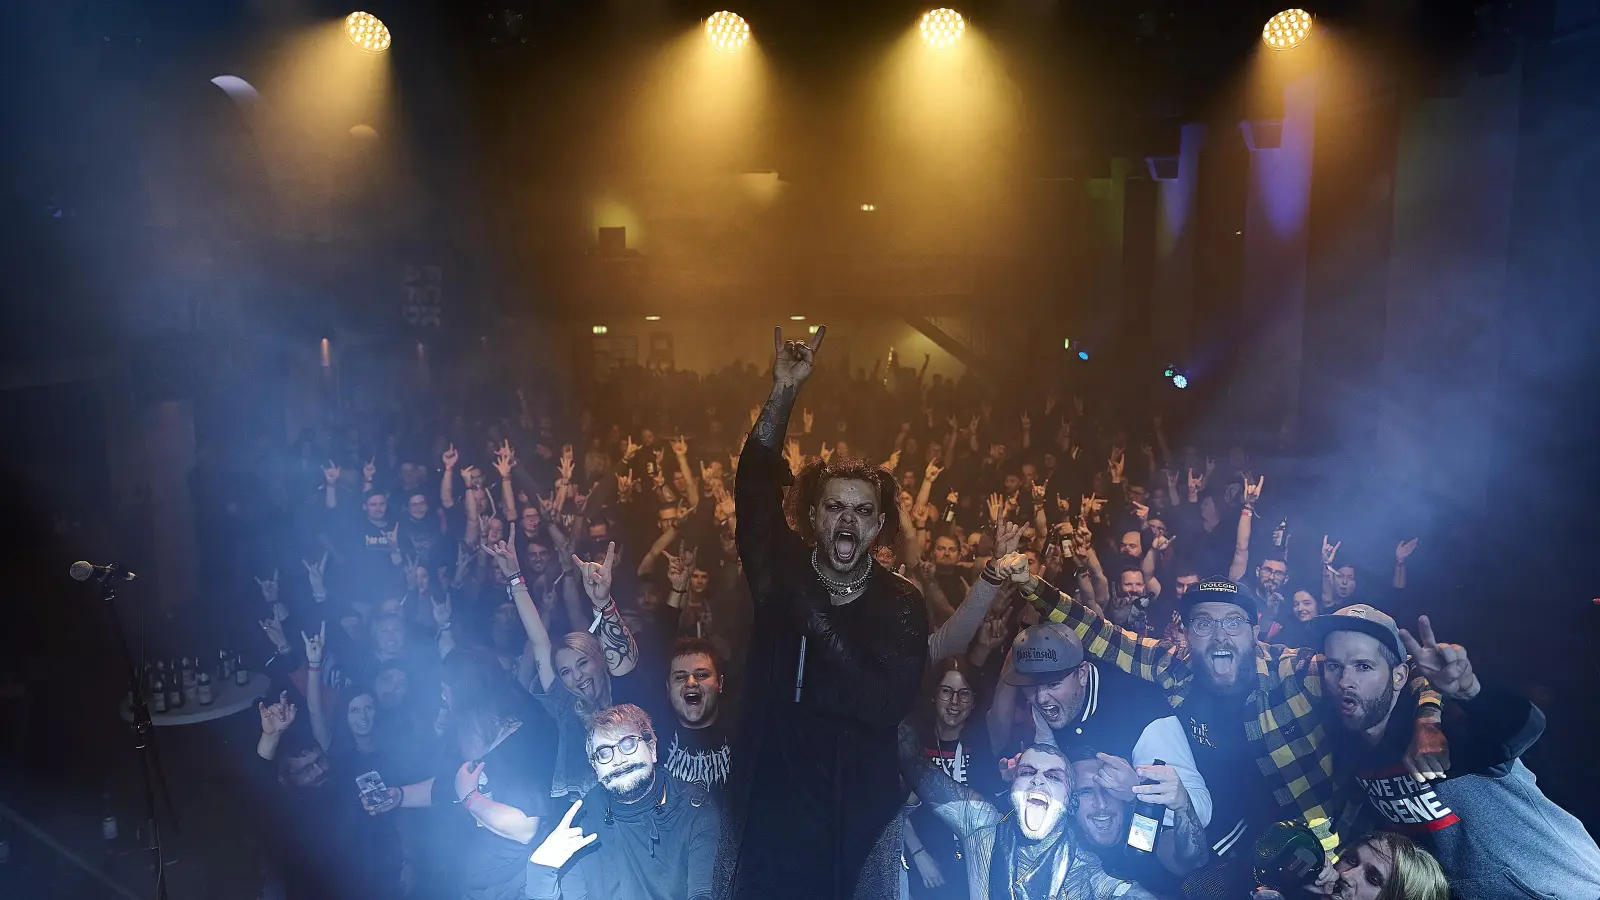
pixel 1267 386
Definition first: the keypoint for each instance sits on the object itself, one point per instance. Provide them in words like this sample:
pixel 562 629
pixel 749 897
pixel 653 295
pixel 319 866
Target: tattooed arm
pixel 791 366
pixel 1186 848
pixel 622 654
pixel 959 807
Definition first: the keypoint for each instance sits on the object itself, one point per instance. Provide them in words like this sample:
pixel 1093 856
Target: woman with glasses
pixel 958 742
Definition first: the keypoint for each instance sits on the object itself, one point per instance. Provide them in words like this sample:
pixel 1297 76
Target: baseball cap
pixel 1043 653
pixel 1363 618
pixel 1219 590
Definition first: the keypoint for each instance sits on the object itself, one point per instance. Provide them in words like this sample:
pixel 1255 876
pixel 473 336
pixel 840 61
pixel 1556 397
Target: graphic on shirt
pixel 1201 732
pixel 1413 806
pixel 951 762
pixel 703 767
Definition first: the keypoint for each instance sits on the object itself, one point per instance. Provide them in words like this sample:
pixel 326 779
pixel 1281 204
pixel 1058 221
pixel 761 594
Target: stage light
pixel 367 31
pixel 1287 30
pixel 1180 381
pixel 797 318
pixel 1169 372
pixel 727 31
pixel 652 318
pixel 1083 355
pixel 813 329
pixel 868 207
pixel 599 329
pixel 942 28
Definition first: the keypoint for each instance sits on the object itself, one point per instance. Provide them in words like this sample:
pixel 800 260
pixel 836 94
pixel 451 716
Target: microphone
pixel 83 571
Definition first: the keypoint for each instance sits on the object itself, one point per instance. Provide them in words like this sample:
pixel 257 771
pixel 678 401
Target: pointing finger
pixel 777 340
pixel 1410 642
pixel 1425 631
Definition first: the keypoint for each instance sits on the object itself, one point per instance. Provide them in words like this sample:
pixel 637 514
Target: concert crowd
pixel 770 632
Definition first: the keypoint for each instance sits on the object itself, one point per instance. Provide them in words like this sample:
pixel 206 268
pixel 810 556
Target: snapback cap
pixel 1043 653
pixel 1368 620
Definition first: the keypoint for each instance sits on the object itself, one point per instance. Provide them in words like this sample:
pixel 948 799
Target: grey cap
pixel 1366 619
pixel 1043 653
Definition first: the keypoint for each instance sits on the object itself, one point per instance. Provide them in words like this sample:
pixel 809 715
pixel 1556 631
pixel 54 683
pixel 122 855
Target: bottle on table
pixel 1145 822
pixel 158 695
pixel 202 689
pixel 108 824
pixel 241 675
pixel 224 667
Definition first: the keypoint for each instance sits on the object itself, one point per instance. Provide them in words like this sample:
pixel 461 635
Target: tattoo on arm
pixel 773 423
pixel 1189 847
pixel 621 651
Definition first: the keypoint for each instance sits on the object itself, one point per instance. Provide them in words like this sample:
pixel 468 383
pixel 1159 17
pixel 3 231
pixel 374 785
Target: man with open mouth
pixel 1029 852
pixel 836 657
pixel 699 751
pixel 1250 709
pixel 642 835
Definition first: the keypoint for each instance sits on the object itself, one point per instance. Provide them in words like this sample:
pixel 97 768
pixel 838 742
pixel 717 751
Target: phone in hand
pixel 372 788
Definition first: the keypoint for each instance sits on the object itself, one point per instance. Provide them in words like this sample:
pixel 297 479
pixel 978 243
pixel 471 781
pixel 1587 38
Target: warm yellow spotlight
pixel 797 318
pixel 367 31
pixel 1287 30
pixel 652 318
pixel 814 328
pixel 727 31
pixel 868 207
pixel 942 28
pixel 599 329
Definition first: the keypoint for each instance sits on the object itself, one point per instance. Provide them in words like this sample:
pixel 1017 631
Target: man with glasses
pixel 643 835
pixel 1250 709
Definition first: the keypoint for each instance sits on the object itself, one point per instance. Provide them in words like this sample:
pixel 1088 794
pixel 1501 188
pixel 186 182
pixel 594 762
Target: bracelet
pixel 514 580
pixel 468 796
pixel 675 591
pixel 315 668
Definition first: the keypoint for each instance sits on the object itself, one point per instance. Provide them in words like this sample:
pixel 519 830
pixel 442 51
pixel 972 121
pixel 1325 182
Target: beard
pixel 1038 813
pixel 1360 714
pixel 1225 668
pixel 628 780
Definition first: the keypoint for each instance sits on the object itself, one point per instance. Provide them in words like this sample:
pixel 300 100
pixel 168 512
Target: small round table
pixel 230 698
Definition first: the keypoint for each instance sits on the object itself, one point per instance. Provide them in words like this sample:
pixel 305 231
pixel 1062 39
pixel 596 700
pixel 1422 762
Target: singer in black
pixel 836 658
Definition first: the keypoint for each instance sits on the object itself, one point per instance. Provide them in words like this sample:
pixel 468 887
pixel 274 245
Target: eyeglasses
pixel 1205 625
pixel 628 746
pixel 947 693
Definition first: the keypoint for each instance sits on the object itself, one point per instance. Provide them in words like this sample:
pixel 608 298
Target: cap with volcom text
pixel 1219 590
pixel 1043 653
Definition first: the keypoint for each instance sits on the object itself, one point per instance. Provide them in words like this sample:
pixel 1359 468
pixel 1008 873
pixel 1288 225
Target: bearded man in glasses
pixel 642 835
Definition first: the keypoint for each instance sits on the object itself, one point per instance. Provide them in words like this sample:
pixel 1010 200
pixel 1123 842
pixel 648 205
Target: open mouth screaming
pixel 694 698
pixel 846 543
pixel 1051 712
pixel 1035 812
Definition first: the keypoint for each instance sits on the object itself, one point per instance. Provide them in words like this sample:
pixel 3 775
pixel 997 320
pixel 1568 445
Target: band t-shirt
pixel 700 756
pixel 1241 795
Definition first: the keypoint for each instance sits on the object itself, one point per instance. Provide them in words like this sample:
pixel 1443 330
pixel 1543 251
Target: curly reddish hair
pixel 807 490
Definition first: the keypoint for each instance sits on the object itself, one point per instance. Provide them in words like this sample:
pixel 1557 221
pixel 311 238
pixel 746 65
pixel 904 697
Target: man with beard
pixel 1077 706
pixel 836 656
pixel 1028 852
pixel 1250 710
pixel 1101 818
pixel 699 752
pixel 1493 831
pixel 654 837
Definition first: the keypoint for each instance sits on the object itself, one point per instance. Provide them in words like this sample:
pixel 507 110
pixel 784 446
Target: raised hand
pixel 1116 465
pixel 1142 511
pixel 893 461
pixel 791 453
pixel 792 361
pixel 1013 566
pixel 1446 666
pixel 315 644
pixel 596 577
pixel 1197 483
pixel 393 540
pixel 1167 791
pixel 562 843
pixel 450 457
pixel 1161 543
pixel 1116 776
pixel 995 504
pixel 1403 551
pixel 504 557
pixel 273 628
pixel 680 447
pixel 1252 492
pixel 932 471
pixel 504 459
pixel 679 569
pixel 807 419
pixel 629 448
pixel 826 453
pixel 625 486
pixel 331 473
pixel 277 718
pixel 564 470
pixel 315 573
pixel 443 611
pixel 269 588
pixel 1007 536
pixel 369 471
pixel 1329 551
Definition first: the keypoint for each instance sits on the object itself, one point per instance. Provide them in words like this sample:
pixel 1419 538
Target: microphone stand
pixel 143 734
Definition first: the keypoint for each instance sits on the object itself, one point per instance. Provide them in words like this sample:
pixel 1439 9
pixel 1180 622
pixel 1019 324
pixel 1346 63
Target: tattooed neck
pixel 773 423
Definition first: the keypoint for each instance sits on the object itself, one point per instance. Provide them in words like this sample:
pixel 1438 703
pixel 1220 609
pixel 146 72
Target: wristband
pixel 469 795
pixel 991 575
pixel 514 580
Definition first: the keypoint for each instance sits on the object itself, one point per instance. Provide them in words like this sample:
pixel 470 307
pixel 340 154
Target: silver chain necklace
pixel 835 588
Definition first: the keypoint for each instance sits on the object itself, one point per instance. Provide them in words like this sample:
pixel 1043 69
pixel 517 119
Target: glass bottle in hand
pixel 1145 822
